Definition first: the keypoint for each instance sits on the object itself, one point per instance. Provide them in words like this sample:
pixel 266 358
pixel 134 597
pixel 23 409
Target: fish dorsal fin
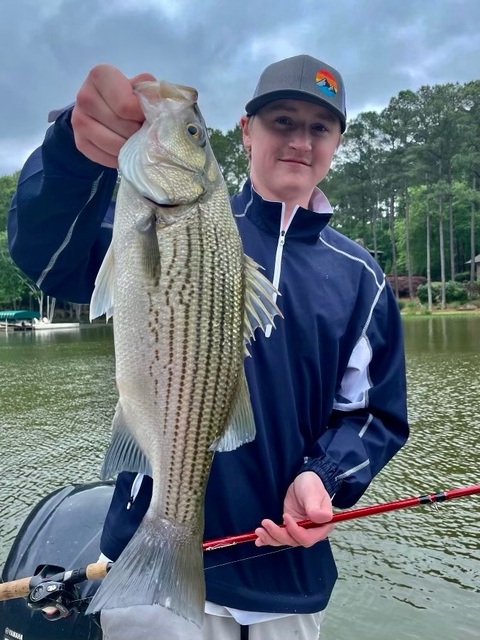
pixel 241 427
pixel 260 301
pixel 102 297
pixel 260 310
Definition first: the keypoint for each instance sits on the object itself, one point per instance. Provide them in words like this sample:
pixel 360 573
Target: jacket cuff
pixel 56 113
pixel 325 471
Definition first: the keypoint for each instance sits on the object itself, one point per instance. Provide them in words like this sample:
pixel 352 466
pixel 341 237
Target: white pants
pixel 158 623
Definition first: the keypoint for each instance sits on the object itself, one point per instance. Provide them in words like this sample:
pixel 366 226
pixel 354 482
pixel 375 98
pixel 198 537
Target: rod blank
pixel 351 514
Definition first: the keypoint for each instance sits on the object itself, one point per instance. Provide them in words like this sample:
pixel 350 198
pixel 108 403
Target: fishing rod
pixel 43 590
pixel 359 512
pixel 53 590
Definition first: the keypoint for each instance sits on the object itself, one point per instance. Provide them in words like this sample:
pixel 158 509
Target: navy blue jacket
pixel 327 387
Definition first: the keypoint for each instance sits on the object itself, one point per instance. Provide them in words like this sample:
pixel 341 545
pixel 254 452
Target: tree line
pixel 405 183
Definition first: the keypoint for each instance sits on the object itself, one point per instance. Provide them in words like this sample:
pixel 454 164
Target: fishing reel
pixel 54 597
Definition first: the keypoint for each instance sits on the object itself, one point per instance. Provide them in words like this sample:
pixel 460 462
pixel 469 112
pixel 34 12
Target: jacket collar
pixel 306 224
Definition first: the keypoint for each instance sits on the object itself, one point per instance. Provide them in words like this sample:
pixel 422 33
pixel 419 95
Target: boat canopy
pixel 14 315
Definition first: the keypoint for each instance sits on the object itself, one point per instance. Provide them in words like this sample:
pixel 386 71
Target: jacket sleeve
pixel 368 424
pixel 58 231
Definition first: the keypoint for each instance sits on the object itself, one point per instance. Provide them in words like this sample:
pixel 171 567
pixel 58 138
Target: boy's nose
pixel 301 140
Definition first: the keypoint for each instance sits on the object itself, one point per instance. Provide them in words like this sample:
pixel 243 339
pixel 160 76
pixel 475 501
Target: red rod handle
pixel 360 512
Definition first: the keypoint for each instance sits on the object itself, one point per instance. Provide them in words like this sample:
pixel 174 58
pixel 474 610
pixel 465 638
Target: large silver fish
pixel 186 301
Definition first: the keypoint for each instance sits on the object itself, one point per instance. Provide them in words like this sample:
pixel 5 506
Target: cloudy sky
pixel 220 47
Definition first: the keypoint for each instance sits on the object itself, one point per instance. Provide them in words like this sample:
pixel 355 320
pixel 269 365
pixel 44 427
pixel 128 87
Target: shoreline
pixel 408 313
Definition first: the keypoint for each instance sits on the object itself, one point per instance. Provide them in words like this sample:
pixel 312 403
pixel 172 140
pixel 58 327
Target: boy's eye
pixel 284 120
pixel 319 128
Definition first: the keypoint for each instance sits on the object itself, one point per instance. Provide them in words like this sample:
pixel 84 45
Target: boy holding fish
pixel 326 386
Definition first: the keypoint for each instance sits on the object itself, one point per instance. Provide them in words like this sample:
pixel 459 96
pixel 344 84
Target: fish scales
pixel 192 310
pixel 204 360
pixel 186 302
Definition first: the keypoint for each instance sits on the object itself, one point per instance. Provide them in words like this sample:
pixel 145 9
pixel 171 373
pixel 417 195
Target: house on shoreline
pixel 477 267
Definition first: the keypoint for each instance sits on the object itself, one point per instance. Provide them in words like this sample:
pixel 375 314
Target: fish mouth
pixel 164 205
pixel 172 205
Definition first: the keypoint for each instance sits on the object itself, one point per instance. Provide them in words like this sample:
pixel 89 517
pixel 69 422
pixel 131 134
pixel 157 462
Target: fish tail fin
pixel 162 564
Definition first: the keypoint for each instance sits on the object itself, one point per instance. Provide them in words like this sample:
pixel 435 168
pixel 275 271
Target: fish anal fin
pixel 123 453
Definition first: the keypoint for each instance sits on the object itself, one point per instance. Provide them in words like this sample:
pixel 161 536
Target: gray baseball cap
pixel 302 78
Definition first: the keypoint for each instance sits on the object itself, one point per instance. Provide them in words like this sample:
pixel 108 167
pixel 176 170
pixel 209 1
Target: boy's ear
pixel 244 125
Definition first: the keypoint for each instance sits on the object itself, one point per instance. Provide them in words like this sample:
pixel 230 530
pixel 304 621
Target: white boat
pixel 45 325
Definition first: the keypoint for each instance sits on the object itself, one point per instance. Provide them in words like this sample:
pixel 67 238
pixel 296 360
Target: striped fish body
pixel 179 346
pixel 185 301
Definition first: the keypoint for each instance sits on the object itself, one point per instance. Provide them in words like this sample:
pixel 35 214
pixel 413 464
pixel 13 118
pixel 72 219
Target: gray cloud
pixel 380 46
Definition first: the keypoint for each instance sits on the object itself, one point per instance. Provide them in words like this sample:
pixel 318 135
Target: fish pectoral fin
pixel 124 452
pixel 102 297
pixel 150 253
pixel 260 301
pixel 241 427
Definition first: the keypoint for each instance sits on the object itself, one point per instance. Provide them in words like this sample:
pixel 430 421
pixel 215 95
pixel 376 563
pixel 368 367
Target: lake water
pixel 411 574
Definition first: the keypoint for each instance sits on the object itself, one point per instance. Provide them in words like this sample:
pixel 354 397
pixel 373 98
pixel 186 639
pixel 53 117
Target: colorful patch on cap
pixel 326 82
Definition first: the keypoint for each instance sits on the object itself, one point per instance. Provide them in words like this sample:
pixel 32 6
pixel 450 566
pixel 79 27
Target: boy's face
pixel 292 143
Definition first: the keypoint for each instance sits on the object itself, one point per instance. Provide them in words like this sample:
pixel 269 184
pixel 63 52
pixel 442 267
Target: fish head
pixel 169 161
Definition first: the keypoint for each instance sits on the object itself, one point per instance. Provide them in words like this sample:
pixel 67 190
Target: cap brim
pixel 255 104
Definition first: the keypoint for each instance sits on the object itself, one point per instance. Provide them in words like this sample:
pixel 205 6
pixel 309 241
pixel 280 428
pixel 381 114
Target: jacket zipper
pixel 276 272
pixel 137 483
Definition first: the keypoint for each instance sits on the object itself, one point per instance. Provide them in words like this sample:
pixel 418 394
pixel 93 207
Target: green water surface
pixel 412 574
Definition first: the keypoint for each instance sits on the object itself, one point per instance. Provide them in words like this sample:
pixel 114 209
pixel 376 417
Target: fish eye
pixel 197 133
pixel 193 130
